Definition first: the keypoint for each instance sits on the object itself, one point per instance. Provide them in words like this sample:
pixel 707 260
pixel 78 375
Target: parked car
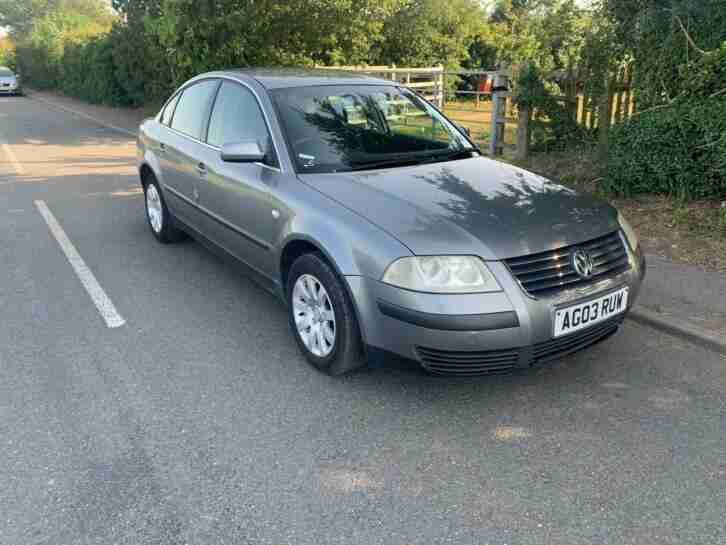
pixel 9 82
pixel 381 225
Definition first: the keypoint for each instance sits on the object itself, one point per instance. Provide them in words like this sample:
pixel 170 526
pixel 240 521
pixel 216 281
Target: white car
pixel 9 82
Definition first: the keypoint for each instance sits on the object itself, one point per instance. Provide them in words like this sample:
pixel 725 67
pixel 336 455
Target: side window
pixel 169 110
pixel 236 117
pixel 193 107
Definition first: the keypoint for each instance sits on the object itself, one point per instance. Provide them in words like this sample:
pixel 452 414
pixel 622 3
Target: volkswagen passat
pixel 381 226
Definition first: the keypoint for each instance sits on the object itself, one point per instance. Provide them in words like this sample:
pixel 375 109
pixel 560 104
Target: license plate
pixel 577 317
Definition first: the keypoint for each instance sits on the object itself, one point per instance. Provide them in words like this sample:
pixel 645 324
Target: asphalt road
pixel 198 422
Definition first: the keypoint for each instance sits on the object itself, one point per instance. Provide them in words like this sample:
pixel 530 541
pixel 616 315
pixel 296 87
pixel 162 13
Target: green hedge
pixel 88 72
pixel 678 150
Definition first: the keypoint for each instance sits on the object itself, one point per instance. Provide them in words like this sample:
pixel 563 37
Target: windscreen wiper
pixel 451 156
pixel 399 162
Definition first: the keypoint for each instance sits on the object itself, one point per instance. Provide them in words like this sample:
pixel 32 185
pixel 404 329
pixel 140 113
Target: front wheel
pixel 322 317
pixel 158 216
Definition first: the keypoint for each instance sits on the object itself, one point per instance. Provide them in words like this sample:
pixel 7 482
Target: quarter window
pixel 169 110
pixel 193 107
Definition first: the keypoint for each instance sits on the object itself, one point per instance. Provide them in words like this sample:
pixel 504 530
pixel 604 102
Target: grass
pixel 478 120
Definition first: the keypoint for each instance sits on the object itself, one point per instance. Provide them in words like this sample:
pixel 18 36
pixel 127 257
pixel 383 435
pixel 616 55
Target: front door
pixel 244 217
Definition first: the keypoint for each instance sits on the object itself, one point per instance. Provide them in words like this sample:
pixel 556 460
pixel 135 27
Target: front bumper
pixel 9 90
pixel 451 334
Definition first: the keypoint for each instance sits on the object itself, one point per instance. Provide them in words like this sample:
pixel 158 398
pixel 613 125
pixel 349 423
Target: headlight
pixel 442 274
pixel 629 232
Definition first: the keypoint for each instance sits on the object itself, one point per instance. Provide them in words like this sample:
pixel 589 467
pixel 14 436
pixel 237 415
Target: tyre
pixel 160 220
pixel 322 317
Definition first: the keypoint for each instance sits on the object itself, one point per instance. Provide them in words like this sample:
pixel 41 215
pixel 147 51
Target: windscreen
pixel 361 127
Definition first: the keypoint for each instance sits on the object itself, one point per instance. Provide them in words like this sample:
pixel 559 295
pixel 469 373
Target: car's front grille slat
pixel 549 273
pixel 495 362
pixel 468 363
pixel 561 346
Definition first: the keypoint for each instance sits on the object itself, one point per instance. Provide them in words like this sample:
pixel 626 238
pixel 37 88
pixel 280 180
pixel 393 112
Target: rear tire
pixel 322 317
pixel 160 220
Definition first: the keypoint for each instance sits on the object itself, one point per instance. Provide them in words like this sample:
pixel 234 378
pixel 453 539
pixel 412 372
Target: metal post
pixel 499 90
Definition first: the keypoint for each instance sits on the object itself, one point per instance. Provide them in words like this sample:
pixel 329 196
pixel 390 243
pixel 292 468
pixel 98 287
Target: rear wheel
pixel 322 317
pixel 160 220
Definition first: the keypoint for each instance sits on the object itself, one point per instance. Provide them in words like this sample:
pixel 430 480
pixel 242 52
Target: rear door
pixel 244 216
pixel 181 151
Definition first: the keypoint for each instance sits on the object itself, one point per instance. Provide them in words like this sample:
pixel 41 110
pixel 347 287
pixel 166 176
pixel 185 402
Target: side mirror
pixel 463 129
pixel 248 151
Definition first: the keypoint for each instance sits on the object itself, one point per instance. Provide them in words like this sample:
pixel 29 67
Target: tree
pixel 430 32
pixel 7 52
pixel 20 15
pixel 662 36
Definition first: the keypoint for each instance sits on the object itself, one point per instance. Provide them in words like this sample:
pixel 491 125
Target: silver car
pixel 9 82
pixel 381 226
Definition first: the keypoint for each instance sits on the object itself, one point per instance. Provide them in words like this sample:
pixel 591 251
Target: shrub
pixel 679 150
pixel 88 72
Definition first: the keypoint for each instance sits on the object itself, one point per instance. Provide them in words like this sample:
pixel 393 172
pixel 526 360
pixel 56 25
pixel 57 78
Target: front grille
pixel 448 362
pixel 548 273
pixel 562 346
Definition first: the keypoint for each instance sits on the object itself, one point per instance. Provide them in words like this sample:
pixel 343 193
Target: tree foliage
pixel 430 32
pixel 7 52
pixel 663 36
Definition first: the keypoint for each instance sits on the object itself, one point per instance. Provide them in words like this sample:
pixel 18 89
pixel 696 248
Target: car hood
pixel 473 206
pixel 7 79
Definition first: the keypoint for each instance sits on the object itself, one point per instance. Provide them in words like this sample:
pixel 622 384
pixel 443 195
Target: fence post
pixel 500 87
pixel 441 89
pixel 604 115
pixel 523 133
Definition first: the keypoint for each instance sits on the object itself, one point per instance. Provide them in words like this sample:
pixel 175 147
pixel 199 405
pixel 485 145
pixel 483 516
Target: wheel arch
pixel 145 174
pixel 298 245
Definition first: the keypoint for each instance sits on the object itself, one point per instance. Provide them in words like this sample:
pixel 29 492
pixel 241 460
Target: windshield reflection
pixel 343 128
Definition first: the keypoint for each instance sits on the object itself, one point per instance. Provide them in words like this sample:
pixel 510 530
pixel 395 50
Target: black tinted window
pixel 192 109
pixel 236 117
pixel 169 110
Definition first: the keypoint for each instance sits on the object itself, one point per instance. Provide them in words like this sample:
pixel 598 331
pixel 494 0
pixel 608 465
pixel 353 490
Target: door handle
pixel 162 147
pixel 202 168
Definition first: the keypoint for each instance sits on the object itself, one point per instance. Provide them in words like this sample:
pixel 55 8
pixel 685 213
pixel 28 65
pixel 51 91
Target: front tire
pixel 322 317
pixel 161 222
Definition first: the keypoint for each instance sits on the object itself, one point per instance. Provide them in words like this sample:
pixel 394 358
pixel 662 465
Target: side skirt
pixel 265 282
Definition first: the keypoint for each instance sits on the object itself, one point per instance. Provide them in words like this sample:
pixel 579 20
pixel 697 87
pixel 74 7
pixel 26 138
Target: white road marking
pixel 100 299
pixel 11 155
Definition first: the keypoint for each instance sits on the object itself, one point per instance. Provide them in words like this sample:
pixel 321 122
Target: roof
pixel 277 78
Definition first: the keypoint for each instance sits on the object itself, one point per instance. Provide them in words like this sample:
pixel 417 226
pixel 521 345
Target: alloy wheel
pixel 314 316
